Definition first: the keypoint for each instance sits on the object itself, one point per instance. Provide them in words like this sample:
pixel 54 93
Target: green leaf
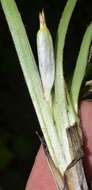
pixel 61 116
pixel 80 68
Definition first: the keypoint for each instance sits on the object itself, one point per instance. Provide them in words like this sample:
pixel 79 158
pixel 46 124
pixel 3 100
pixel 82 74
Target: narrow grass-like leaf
pixel 80 68
pixel 61 116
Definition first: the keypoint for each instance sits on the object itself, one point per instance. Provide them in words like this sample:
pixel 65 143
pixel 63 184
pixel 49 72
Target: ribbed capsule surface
pixel 45 56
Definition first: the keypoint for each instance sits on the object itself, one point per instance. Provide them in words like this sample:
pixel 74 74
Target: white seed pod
pixel 45 57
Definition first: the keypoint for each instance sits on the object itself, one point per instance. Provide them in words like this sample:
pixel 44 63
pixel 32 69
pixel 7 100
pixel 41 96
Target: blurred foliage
pixel 5 156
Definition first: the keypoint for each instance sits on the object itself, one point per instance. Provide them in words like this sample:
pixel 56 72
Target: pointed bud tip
pixel 42 19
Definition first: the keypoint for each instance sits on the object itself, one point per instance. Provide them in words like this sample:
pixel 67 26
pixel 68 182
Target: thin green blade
pixel 60 93
pixel 80 68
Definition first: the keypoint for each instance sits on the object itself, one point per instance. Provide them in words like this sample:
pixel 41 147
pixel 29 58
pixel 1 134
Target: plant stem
pixel 33 81
pixel 74 178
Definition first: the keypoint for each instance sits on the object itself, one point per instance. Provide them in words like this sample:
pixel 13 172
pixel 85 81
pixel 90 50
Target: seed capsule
pixel 45 57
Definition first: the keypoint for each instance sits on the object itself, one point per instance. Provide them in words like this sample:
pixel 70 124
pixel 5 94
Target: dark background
pixel 18 122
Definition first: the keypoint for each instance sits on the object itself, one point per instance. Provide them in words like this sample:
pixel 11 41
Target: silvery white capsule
pixel 45 57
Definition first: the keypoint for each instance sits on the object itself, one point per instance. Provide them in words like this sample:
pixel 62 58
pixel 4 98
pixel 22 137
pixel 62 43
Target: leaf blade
pixel 80 68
